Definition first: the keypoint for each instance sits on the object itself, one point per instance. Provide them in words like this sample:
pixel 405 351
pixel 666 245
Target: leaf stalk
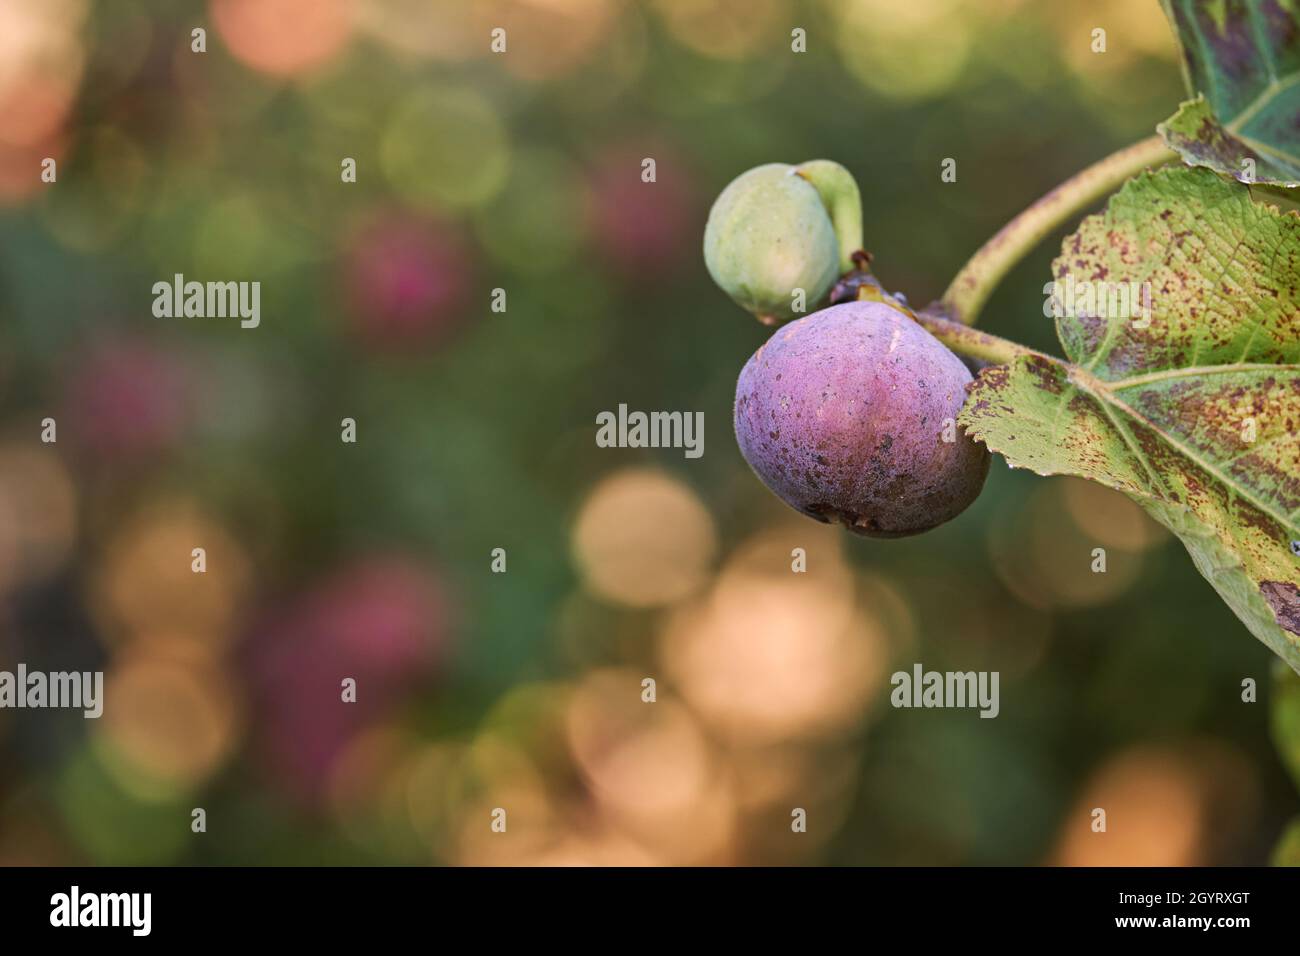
pixel 965 340
pixel 971 287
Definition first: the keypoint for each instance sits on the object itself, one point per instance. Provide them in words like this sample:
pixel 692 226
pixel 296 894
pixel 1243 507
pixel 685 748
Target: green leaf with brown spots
pixel 1241 61
pixel 1179 312
pixel 1195 134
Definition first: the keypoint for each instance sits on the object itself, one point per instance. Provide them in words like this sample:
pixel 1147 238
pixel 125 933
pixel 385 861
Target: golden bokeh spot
pixel 549 38
pixel 1042 555
pixel 1165 806
pixel 1133 30
pixel 905 50
pixel 771 654
pixel 436 29
pixel 453 787
pixel 38 513
pixel 42 58
pixel 770 781
pixel 171 721
pixel 650 768
pixel 591 846
pixel 1109 516
pixel 643 538
pixel 143 584
pixel 728 29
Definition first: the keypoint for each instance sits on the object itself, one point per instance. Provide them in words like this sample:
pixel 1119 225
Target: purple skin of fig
pixel 843 413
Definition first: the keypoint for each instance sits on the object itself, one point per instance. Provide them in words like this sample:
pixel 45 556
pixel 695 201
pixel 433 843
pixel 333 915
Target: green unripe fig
pixel 777 230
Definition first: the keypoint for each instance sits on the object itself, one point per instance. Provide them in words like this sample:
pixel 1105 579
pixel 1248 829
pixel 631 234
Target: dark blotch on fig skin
pixel 842 415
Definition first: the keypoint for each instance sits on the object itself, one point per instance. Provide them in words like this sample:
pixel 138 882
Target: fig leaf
pixel 1241 62
pixel 1179 312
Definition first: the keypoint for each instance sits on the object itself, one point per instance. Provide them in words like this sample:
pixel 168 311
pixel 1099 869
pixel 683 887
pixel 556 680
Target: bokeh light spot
pixel 445 148
pixel 643 538
pixel 283 37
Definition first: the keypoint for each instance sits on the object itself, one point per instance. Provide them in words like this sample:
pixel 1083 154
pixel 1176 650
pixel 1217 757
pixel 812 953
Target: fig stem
pixel 839 194
pixel 973 285
pixel 965 340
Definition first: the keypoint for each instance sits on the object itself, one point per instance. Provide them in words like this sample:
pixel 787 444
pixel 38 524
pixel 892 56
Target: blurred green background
pixel 475 431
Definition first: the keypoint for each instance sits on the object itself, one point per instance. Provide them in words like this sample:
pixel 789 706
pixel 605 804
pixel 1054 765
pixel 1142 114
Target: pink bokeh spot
pixel 644 229
pixel 126 399
pixel 382 621
pixel 407 283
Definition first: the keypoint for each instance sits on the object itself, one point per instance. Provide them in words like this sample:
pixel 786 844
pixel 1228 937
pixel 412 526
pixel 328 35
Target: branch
pixel 973 285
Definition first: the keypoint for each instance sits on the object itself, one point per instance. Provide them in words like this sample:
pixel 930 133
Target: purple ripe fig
pixel 849 415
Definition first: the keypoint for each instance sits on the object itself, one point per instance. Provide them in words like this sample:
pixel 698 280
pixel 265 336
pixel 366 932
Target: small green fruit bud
pixel 769 235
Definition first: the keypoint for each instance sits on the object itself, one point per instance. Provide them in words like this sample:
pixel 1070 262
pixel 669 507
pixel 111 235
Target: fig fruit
pixel 849 415
pixel 777 229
